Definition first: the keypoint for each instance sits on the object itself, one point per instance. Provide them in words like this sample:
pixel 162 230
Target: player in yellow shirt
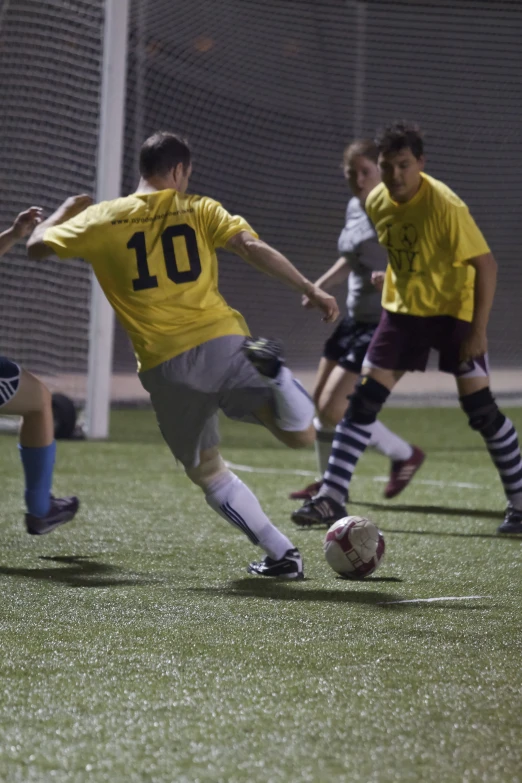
pixel 438 292
pixel 153 253
pixel 339 369
pixel 22 394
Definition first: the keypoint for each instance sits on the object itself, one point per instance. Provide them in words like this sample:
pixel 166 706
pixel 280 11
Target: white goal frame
pixel 108 186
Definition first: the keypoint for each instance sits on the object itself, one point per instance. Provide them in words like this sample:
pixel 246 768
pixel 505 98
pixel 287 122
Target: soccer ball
pixel 354 547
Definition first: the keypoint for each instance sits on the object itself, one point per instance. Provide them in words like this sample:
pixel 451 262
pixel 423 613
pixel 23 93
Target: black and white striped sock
pixel 350 441
pixel 505 453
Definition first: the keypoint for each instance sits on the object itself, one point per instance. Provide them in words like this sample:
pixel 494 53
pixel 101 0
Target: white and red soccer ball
pixel 354 547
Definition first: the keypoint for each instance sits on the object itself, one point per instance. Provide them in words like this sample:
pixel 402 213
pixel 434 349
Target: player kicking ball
pixel 153 253
pixel 344 352
pixel 438 292
pixel 21 394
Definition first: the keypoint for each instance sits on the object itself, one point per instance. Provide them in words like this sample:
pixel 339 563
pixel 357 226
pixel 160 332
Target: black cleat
pixel 62 510
pixel 320 510
pixel 289 567
pixel 512 521
pixel 265 355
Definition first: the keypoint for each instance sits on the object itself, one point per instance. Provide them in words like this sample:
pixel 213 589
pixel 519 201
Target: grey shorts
pixel 188 391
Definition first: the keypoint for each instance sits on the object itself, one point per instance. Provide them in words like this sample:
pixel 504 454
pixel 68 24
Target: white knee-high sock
pixel 294 406
pixel 389 444
pixel 234 502
pixel 323 444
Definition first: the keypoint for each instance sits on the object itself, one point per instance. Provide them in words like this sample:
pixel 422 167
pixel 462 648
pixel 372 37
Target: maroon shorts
pixel 404 342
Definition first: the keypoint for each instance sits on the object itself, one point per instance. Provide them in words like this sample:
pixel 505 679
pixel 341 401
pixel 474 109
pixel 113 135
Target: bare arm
pixel 476 343
pixel 275 264
pixel 485 285
pixel 336 275
pixel 22 226
pixel 36 247
pixel 268 260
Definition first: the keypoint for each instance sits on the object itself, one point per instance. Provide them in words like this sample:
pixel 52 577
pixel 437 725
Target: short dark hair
pixel 365 148
pixel 162 152
pixel 398 136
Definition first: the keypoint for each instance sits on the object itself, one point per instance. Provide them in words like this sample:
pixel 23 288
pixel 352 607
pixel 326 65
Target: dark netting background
pixel 50 72
pixel 269 92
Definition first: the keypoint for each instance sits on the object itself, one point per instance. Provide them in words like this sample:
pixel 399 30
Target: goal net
pixel 50 72
pixel 268 94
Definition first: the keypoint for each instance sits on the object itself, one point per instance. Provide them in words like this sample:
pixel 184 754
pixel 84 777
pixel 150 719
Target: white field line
pixel 433 600
pixel 434 483
pixel 380 479
pixel 271 471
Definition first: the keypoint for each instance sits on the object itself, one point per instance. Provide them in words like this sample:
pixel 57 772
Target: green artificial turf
pixel 134 646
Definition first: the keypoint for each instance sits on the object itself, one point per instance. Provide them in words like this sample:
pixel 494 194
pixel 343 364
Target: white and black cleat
pixel 265 355
pixel 289 567
pixel 320 510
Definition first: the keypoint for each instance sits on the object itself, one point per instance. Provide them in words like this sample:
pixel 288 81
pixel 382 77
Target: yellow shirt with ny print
pixel 430 240
pixel 154 257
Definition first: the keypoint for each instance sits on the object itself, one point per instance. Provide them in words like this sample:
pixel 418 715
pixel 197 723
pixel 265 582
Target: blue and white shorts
pixel 9 379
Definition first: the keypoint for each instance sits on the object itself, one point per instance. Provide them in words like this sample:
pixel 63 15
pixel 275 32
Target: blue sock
pixel 38 469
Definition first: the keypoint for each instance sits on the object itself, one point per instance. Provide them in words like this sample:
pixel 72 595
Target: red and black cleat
pixel 307 493
pixel 401 473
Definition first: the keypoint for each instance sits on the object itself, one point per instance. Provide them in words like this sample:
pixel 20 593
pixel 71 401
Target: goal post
pixel 108 184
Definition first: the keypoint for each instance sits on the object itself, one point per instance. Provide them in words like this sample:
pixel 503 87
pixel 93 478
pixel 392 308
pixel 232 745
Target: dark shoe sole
pixel 513 530
pixel 50 528
pixel 286 577
pixel 304 521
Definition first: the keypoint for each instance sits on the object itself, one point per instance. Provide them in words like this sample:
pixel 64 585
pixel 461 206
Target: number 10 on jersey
pixel 145 279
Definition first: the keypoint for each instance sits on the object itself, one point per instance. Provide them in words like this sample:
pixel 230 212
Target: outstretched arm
pixel 23 224
pixel 275 264
pixel 337 274
pixel 476 343
pixel 36 247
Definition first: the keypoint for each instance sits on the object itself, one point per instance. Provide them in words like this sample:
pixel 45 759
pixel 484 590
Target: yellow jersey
pixel 430 240
pixel 154 257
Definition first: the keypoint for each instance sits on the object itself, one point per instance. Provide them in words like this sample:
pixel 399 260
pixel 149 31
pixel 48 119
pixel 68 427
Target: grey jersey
pixel 358 242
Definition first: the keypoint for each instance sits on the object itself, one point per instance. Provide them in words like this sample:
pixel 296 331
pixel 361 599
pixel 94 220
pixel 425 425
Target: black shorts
pixel 9 379
pixel 348 344
pixel 404 342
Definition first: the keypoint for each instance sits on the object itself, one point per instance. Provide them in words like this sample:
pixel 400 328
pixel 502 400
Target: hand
pixel 327 304
pixel 474 345
pixel 26 221
pixel 74 205
pixel 378 280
